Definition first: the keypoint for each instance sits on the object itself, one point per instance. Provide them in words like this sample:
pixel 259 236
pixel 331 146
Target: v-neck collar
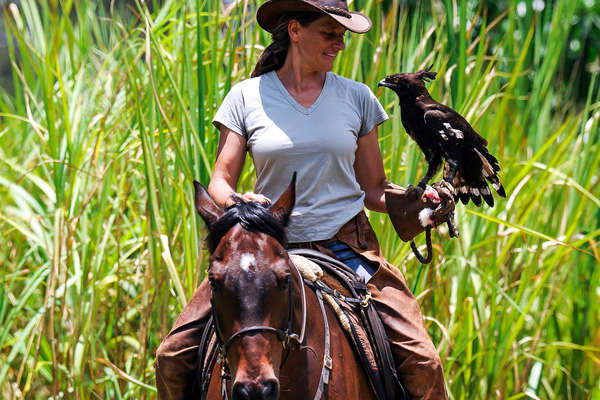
pixel 299 107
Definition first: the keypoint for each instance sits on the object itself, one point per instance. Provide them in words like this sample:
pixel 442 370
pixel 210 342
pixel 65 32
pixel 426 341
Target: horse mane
pixel 253 216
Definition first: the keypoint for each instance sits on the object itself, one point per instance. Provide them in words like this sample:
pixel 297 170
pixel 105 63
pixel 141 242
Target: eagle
pixel 443 134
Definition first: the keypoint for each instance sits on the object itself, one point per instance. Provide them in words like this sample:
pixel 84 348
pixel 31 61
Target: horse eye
pixel 213 283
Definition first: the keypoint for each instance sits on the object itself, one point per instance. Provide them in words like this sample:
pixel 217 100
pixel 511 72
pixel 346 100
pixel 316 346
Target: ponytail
pixel 273 57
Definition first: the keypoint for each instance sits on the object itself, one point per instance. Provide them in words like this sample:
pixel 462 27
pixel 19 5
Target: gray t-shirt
pixel 318 142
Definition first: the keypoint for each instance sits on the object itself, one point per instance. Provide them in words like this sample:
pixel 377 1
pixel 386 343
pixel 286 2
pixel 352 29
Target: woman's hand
pixel 412 210
pixel 248 196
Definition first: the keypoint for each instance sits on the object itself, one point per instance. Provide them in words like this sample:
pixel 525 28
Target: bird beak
pixel 383 83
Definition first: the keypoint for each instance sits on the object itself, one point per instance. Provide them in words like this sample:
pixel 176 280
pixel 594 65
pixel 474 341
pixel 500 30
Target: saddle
pixel 347 294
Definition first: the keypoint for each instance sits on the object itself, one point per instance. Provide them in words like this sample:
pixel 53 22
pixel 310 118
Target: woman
pixel 295 115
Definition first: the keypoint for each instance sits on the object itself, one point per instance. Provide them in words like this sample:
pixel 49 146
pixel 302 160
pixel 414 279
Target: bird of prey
pixel 442 133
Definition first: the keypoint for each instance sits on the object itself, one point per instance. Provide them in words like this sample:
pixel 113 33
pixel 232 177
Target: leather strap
pixel 205 371
pixel 413 246
pixel 327 362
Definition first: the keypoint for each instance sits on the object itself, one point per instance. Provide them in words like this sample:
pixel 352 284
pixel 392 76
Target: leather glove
pixel 413 209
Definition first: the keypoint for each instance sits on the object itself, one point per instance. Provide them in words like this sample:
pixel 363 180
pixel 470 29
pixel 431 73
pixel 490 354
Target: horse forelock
pixel 252 216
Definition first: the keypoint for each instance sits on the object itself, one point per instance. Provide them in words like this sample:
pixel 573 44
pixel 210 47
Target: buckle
pixel 327 362
pixel 365 301
pixel 288 338
pixel 225 374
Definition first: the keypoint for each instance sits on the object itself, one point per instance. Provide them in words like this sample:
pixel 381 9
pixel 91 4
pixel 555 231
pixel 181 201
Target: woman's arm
pixel 368 168
pixel 228 167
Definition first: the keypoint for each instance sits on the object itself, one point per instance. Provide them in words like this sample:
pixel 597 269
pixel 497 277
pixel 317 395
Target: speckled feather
pixel 442 134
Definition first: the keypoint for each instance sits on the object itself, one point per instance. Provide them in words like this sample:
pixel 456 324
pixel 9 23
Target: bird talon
pixel 448 186
pixel 452 230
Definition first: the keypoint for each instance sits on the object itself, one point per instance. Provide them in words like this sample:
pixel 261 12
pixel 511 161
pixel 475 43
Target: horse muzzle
pixel 253 390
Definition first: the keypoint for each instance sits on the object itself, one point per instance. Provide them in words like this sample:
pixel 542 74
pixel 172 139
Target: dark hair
pixel 273 57
pixel 253 216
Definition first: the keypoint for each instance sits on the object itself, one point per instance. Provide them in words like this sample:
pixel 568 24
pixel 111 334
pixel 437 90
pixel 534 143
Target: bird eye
pixel 395 80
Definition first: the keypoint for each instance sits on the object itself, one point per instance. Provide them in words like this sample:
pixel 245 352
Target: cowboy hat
pixel 269 12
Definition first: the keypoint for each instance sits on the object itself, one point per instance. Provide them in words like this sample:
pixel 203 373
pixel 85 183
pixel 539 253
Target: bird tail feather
pixel 489 169
pixel 461 189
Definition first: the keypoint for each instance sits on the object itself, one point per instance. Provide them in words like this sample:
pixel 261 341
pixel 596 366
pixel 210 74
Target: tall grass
pixel 109 122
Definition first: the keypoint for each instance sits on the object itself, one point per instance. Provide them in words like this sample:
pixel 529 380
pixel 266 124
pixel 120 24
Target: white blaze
pixel 246 261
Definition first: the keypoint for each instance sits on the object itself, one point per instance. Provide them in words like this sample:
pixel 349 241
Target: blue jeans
pixel 346 255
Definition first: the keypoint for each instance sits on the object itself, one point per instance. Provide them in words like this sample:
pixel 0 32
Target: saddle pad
pixel 308 269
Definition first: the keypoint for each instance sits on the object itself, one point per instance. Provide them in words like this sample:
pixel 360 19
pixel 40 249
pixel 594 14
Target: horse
pixel 276 339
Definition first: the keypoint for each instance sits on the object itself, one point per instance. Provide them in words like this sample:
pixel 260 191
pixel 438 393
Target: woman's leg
pixel 176 356
pixel 417 360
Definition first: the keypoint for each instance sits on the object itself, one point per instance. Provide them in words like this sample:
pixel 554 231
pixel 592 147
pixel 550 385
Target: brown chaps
pixel 417 361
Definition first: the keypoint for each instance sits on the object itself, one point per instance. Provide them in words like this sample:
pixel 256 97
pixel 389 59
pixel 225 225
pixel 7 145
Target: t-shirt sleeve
pixel 231 112
pixel 373 112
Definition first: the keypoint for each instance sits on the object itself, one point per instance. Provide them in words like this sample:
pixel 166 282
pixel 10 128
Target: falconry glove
pixel 412 209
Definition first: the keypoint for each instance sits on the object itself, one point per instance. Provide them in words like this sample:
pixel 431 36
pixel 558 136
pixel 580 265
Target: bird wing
pixel 466 150
pixel 443 118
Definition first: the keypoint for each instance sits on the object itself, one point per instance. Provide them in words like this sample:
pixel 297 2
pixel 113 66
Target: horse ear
pixel 282 208
pixel 205 205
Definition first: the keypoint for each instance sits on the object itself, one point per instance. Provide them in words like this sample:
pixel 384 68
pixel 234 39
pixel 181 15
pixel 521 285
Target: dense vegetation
pixel 108 122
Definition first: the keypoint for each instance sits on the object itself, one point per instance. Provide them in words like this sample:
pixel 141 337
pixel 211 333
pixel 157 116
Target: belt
pixel 310 245
pixel 353 226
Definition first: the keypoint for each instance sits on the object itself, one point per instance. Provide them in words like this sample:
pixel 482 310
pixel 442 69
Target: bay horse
pixel 270 326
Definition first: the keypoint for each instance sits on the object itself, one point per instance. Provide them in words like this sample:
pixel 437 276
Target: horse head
pixel 251 280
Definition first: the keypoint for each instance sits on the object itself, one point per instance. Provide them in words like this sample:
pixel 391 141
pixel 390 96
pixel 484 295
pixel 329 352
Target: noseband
pixel 285 336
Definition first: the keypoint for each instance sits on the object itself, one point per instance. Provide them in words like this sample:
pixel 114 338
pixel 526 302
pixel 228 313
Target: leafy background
pixel 105 121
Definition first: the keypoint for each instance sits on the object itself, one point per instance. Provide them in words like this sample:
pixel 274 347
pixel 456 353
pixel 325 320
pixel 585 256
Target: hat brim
pixel 269 12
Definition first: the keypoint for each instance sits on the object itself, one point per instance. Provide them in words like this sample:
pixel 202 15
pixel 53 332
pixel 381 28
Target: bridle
pixel 286 337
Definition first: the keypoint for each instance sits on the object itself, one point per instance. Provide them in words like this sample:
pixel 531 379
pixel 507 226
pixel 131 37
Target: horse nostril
pixel 270 389
pixel 240 392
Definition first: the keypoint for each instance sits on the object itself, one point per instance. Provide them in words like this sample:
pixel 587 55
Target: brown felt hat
pixel 269 12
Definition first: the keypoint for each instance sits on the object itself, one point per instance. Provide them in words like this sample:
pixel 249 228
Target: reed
pixel 110 120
